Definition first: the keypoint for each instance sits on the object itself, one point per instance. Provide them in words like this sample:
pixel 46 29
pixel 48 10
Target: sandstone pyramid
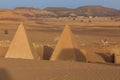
pixel 21 46
pixel 66 48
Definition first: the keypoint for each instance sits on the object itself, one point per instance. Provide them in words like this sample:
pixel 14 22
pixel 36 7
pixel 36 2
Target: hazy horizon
pixel 8 4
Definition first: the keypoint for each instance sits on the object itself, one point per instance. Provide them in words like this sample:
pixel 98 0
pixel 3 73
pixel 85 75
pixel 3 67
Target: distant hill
pixel 6 14
pixel 33 12
pixel 96 11
pixel 85 11
pixel 21 13
pixel 60 11
pixel 54 9
pixel 29 12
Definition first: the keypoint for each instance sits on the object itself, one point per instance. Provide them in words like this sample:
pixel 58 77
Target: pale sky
pixel 58 3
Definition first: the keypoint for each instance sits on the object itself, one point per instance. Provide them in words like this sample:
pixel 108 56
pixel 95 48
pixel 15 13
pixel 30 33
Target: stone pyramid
pixel 21 46
pixel 66 48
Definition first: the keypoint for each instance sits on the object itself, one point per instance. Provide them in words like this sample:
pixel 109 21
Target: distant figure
pixel 104 41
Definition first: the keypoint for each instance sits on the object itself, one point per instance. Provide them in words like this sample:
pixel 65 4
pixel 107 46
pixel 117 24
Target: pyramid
pixel 21 46
pixel 66 48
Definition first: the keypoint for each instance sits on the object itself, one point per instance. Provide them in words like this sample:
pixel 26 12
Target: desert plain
pixel 98 38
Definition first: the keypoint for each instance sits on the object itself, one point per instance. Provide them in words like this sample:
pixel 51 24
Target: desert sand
pixel 98 39
pixel 88 35
pixel 18 69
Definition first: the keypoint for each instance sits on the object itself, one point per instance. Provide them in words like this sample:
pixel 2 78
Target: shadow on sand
pixel 106 57
pixel 47 52
pixel 4 75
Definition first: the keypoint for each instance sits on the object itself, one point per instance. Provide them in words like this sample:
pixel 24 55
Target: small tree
pixel 5 31
pixel 89 21
pixel 81 20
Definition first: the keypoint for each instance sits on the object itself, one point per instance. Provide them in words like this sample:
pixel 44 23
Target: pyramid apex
pixel 21 23
pixel 67 26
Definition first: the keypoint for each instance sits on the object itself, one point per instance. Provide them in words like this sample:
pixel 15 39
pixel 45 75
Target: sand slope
pixel 48 70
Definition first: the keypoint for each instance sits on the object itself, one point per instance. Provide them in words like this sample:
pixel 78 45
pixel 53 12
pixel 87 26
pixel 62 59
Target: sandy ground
pixel 88 35
pixel 45 34
pixel 16 69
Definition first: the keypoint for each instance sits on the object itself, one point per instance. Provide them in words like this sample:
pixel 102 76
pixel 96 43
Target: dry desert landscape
pixel 49 47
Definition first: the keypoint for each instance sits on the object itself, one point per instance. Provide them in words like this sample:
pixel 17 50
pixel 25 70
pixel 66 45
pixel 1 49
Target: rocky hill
pixel 33 12
pixel 96 11
pixel 85 11
pixel 29 12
